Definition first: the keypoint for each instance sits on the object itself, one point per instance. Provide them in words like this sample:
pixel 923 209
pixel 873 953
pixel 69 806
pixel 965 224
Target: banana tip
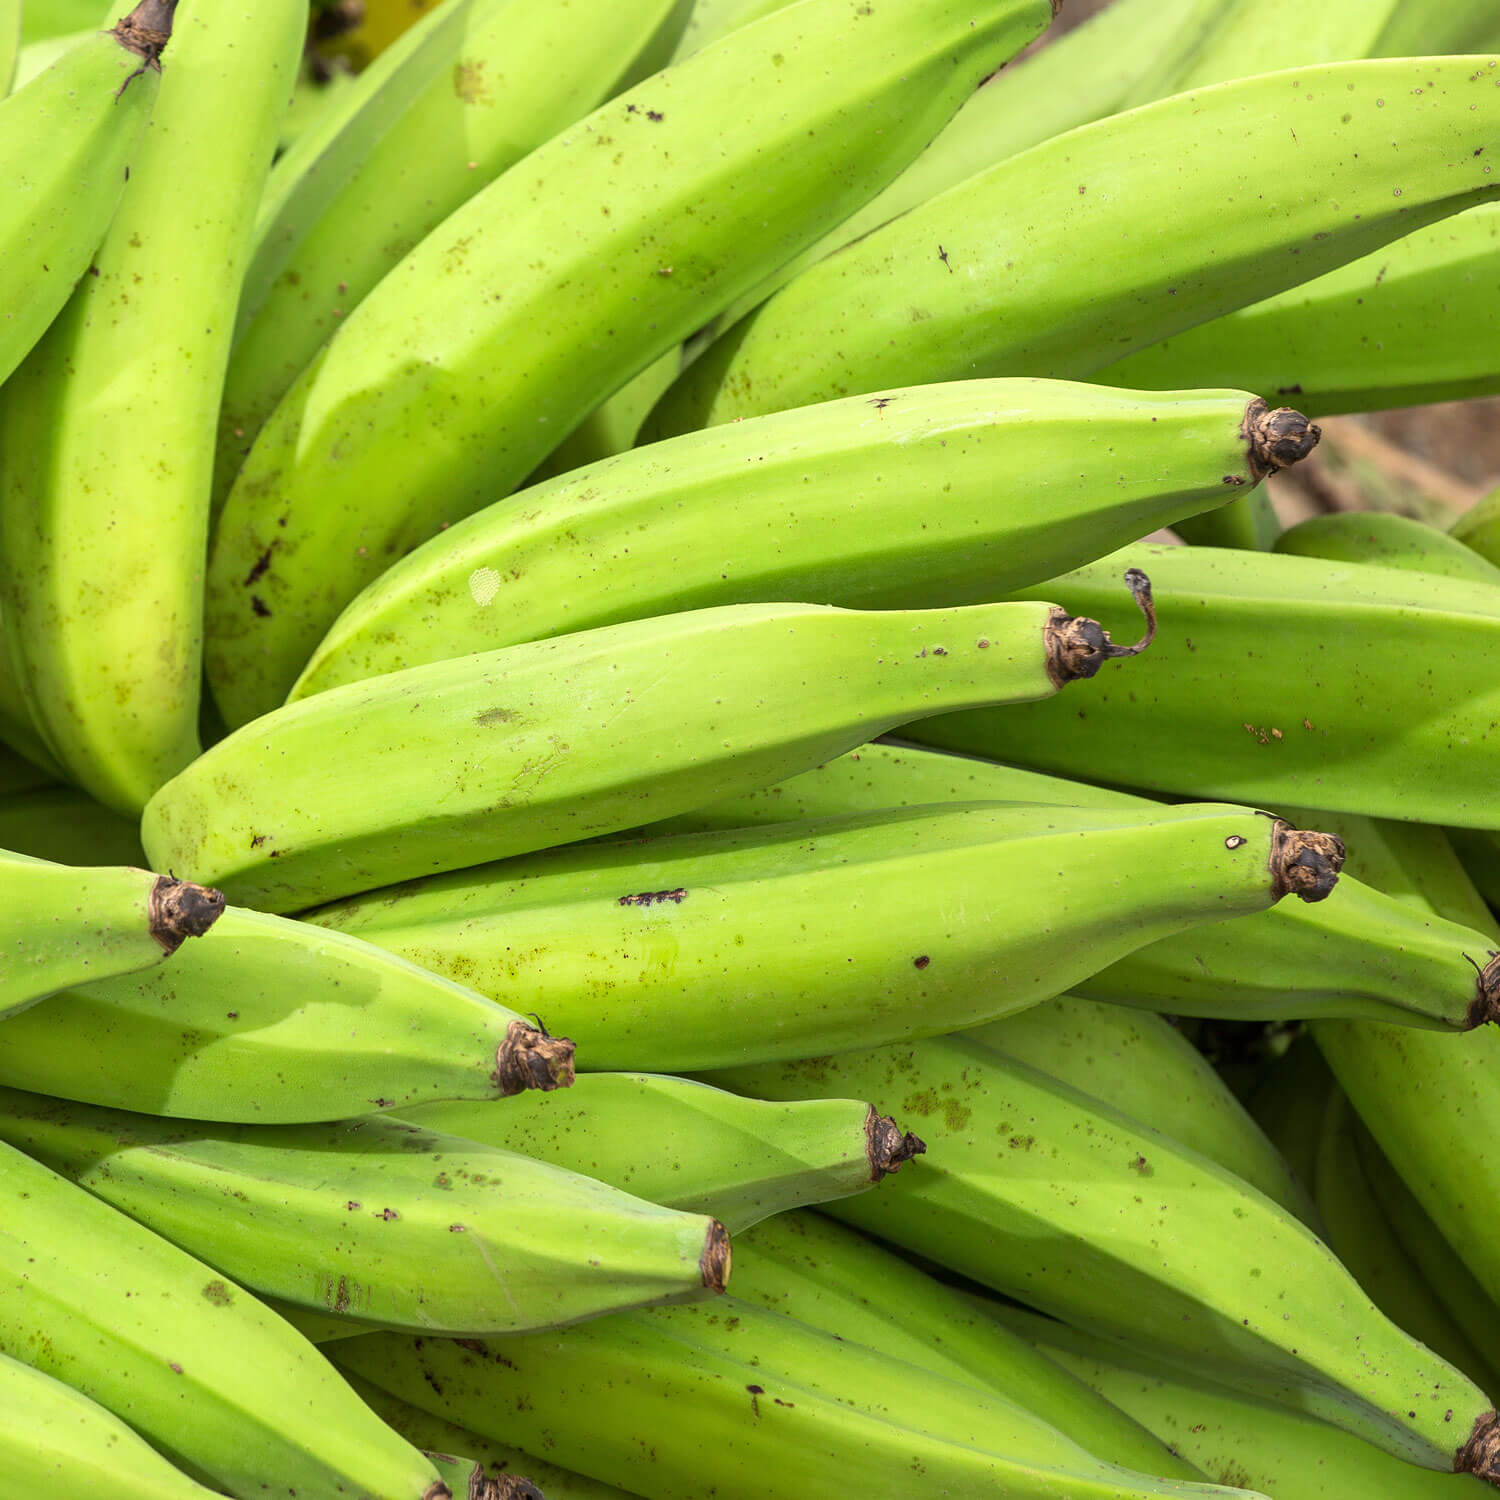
pixel 1077 647
pixel 1303 863
pixel 1480 1456
pixel 146 32
pixel 499 1486
pixel 715 1261
pixel 530 1059
pixel 1277 438
pixel 177 910
pixel 1485 1005
pixel 437 1490
pixel 887 1145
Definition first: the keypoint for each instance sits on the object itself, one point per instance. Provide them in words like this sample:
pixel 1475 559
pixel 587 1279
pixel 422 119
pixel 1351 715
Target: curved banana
pixel 269 1021
pixel 61 925
pixel 746 1404
pixel 703 950
pixel 1145 1068
pixel 67 826
pixel 103 581
pixel 939 495
pixel 67 140
pixel 1063 1202
pixel 1231 1435
pixel 1426 302
pixel 374 450
pixel 465 95
pixel 545 743
pixel 191 1362
pixel 55 1441
pixel 1381 539
pixel 389 1224
pixel 1318 719
pixel 688 1146
pixel 1020 269
pixel 831 1278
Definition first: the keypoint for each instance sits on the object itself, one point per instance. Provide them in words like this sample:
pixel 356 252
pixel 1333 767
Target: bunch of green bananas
pixel 592 899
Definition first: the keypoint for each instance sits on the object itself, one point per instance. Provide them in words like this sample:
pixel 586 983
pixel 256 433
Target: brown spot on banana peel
pixel 1077 647
pixel 530 1059
pixel 887 1145
pixel 1303 863
pixel 1485 1005
pixel 1480 1456
pixel 1276 439
pixel 178 909
pixel 714 1263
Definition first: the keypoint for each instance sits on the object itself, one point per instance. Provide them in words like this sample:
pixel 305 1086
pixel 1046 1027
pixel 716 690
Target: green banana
pixel 1234 1437
pixel 1317 720
pixel 745 1403
pixel 540 744
pixel 1042 1193
pixel 940 495
pixel 61 925
pixel 1412 322
pixel 1478 528
pixel 460 98
pixel 10 43
pixel 1357 1231
pixel 688 1146
pixel 36 57
pixel 377 446
pixel 18 731
pixel 1289 1101
pixel 389 1224
pixel 103 581
pixel 69 138
pixel 1075 253
pixel 191 1362
pixel 831 1278
pixel 1360 953
pixel 1385 540
pixel 67 826
pixel 270 1021
pixel 54 1441
pixel 1422 28
pixel 18 776
pixel 703 950
pixel 1145 1068
pixel 41 19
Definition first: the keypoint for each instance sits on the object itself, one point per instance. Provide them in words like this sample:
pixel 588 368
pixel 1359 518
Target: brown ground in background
pixel 1426 461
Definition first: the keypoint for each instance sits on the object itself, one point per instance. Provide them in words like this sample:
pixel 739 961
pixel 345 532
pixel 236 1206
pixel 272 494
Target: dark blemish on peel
pixel 881 402
pixel 921 961
pixel 1234 841
pixel 1233 479
pixel 494 716
pixel 655 898
pixel 259 606
pixel 943 256
pixel 258 571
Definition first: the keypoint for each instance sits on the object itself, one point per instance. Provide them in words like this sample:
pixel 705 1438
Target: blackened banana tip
pixel 147 30
pixel 1303 863
pixel 1480 1456
pixel 1077 646
pixel 530 1059
pixel 178 909
pixel 1277 438
pixel 1485 1006
pixel 887 1145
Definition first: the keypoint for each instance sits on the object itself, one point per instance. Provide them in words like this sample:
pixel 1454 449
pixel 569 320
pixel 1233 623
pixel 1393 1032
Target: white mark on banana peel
pixel 484 584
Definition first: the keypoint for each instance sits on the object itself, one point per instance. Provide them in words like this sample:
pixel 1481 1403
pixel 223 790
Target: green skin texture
pixel 10 43
pixel 1388 541
pixel 103 579
pixel 536 745
pixel 264 1021
pixel 392 1225
pixel 1479 527
pixel 68 827
pixel 94 1299
pixel 1288 1102
pixel 822 934
pixel 530 304
pixel 55 1441
pixel 1144 1067
pixel 19 776
pixel 828 1417
pixel 66 142
pixel 18 731
pixel 50 18
pixel 829 1277
pixel 940 495
pixel 1357 1231
pixel 61 925
pixel 678 1143
pixel 1095 244
pixel 1044 1194
pixel 1418 745
pixel 1359 953
pixel 1411 323
pixel 487 83
pixel 1234 1437
pixel 1249 523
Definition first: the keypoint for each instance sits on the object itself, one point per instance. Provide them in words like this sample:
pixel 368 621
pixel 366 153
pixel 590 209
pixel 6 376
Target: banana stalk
pixel 688 1146
pixel 703 950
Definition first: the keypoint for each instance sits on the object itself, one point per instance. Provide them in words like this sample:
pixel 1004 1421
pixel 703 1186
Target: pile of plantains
pixel 611 540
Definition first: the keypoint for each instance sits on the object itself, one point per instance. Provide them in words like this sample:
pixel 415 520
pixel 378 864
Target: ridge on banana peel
pixel 455 762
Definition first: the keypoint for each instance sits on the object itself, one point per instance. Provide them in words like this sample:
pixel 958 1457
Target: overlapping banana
pixel 61 925
pixel 455 762
pixel 938 495
pixel 1060 1201
pixel 703 950
pixel 688 1146
pixel 1383 539
pixel 62 824
pixel 558 283
pixel 269 1021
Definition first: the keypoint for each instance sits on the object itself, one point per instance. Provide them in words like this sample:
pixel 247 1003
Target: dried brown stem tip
pixel 500 1486
pixel 437 1490
pixel 1304 864
pixel 1077 646
pixel 1276 439
pixel 1486 1003
pixel 887 1145
pixel 146 31
pixel 1480 1456
pixel 714 1263
pixel 178 909
pixel 530 1059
